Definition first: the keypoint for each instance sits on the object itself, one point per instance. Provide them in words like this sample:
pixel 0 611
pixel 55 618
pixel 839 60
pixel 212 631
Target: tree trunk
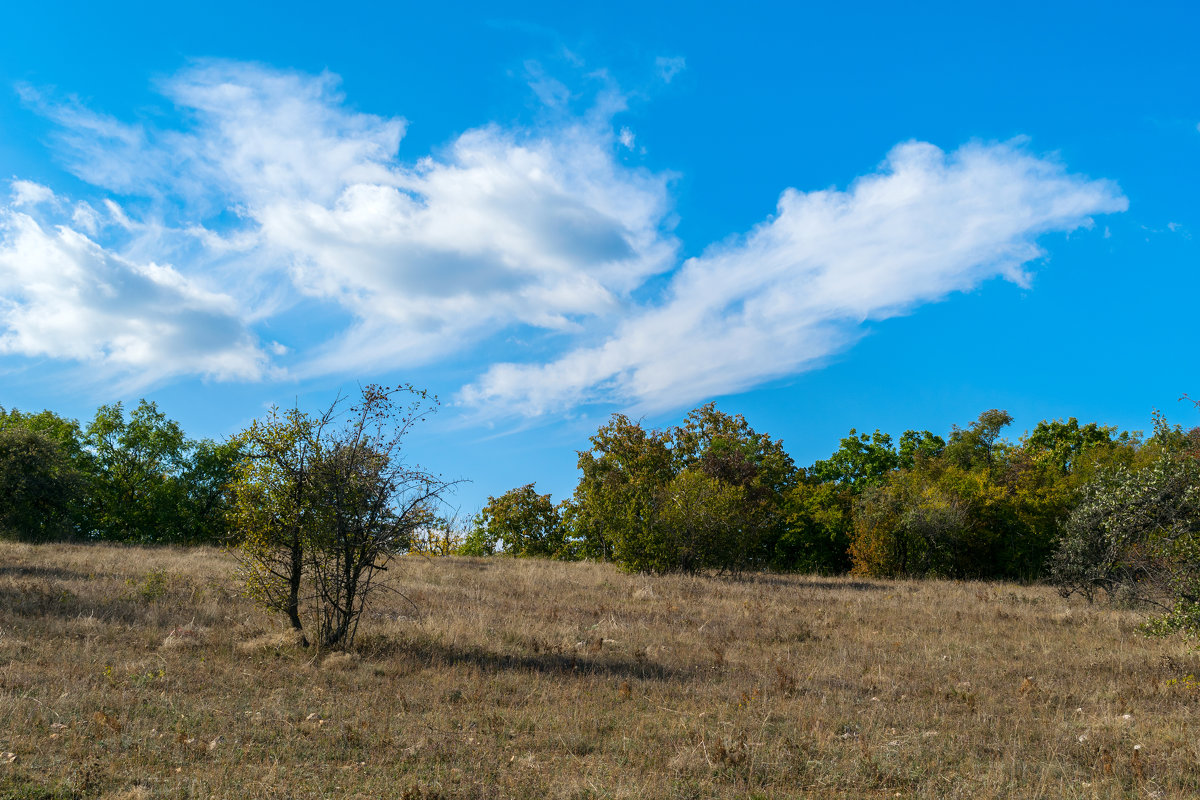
pixel 293 601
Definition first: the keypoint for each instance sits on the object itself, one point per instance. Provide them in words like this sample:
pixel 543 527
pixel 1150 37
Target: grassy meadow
pixel 142 673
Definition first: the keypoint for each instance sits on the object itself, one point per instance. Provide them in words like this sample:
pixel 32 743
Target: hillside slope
pixel 142 673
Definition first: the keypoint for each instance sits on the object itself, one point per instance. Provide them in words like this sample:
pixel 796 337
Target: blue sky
pixel 820 218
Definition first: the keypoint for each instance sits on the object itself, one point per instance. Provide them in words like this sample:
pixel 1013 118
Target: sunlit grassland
pixel 142 673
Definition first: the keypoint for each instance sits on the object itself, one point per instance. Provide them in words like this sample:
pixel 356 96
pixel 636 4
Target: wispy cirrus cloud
pixel 799 286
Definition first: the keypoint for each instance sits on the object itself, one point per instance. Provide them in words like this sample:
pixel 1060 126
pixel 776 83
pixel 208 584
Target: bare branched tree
pixel 372 503
pixel 328 501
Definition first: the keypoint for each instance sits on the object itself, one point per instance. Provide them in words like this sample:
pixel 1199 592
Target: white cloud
pixel 257 134
pixel 63 296
pixel 669 66
pixel 539 226
pixel 28 193
pixel 797 287
pixel 275 192
pixel 263 135
pixel 537 230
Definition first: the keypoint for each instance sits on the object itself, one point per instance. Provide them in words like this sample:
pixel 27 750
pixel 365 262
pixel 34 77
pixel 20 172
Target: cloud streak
pixel 798 287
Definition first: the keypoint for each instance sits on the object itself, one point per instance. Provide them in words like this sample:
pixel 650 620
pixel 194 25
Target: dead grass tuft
pixel 644 593
pixel 132 793
pixel 277 640
pixel 185 637
pixel 340 662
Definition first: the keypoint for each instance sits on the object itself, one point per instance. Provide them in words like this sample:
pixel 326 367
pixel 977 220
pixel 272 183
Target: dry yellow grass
pixel 141 673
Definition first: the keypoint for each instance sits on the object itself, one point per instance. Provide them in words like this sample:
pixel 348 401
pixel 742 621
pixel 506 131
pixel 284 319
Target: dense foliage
pixel 270 506
pixel 704 495
pixel 980 506
pixel 40 487
pixel 1135 534
pixel 134 478
pixel 519 522
pixel 1084 504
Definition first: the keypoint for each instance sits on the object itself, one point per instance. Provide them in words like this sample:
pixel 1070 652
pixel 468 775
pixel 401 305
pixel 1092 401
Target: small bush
pixel 151 587
pixel 1136 537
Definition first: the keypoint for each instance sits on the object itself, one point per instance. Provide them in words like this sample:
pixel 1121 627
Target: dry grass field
pixel 141 673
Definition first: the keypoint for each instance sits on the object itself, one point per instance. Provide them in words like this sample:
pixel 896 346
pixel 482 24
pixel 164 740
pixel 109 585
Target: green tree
pixel 65 433
pixel 135 494
pixel 979 445
pixel 477 542
pixel 204 503
pixel 272 513
pixel 917 524
pixel 371 502
pixel 860 461
pixel 70 518
pixel 622 476
pixel 918 446
pixel 521 522
pixel 703 523
pixel 39 485
pixel 142 479
pixel 821 512
pixel 1065 445
pixel 979 506
pixel 708 494
pixel 725 448
pixel 1136 534
pixel 819 521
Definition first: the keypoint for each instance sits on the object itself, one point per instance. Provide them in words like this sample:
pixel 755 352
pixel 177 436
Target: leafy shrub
pixel 152 587
pixel 708 494
pixel 1136 534
pixel 521 522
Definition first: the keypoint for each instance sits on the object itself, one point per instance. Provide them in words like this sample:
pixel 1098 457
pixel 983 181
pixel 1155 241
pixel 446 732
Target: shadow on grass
pixel 793 582
pixel 46 573
pixel 427 653
pixel 854 586
pixel 39 601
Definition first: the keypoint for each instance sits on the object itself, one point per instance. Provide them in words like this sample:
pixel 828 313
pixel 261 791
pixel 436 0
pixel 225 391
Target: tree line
pixel 1092 508
pixel 316 504
pixel 714 494
pixel 121 477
